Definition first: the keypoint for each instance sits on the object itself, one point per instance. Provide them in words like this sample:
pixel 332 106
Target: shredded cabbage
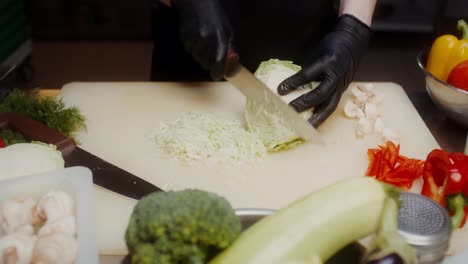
pixel 24 159
pixel 263 118
pixel 203 137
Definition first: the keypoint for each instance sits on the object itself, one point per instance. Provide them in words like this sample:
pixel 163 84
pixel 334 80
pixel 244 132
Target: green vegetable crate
pixel 14 33
pixel 15 46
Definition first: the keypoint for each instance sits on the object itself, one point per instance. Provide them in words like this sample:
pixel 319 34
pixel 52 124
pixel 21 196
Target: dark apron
pixel 263 29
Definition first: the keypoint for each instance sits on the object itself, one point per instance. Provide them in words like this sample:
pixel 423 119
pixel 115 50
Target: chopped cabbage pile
pixel 263 118
pixel 203 137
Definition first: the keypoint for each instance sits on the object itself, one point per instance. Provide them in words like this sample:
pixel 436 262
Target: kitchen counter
pixel 392 57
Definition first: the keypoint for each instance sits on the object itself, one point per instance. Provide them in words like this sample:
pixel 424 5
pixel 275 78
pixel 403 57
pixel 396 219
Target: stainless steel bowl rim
pixel 423 68
pixel 253 211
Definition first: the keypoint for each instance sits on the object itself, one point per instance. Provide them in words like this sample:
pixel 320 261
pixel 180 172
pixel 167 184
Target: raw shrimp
pixel 16 215
pixel 52 206
pixel 55 248
pixel 65 225
pixel 16 248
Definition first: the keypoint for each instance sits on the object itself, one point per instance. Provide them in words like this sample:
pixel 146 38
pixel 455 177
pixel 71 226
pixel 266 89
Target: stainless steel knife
pixel 251 87
pixel 105 174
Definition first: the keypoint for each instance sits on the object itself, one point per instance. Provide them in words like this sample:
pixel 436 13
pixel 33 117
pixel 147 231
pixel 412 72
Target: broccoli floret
pixel 188 226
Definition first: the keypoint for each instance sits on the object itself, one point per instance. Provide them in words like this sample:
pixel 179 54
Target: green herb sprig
pixel 47 110
pixel 11 137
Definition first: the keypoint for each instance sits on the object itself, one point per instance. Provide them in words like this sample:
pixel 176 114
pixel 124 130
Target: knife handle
pixel 36 131
pixel 232 63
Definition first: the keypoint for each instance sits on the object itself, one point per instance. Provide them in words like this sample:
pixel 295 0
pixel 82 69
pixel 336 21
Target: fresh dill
pixel 50 111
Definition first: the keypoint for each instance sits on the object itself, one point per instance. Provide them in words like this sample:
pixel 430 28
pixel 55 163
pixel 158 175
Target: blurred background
pixel 48 43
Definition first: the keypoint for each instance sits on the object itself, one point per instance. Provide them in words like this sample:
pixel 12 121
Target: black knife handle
pixel 36 131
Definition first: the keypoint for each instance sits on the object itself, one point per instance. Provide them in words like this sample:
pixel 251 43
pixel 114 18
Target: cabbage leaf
pixel 263 118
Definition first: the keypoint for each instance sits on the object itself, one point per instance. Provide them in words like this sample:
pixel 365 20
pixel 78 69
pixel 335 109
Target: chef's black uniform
pixel 263 29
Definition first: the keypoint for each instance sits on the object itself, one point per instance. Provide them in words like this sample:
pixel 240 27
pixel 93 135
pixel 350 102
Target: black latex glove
pixel 333 63
pixel 205 32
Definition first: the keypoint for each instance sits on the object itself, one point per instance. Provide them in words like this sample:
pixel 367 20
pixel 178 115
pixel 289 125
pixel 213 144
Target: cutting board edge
pixel 149 85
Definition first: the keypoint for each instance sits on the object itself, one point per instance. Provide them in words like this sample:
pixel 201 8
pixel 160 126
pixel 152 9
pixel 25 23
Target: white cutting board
pixel 121 117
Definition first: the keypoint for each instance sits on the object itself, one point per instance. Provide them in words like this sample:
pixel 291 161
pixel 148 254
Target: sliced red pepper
pixel 405 173
pixel 449 172
pixel 374 159
pixel 392 153
pixel 2 143
pixel 445 176
pixel 446 181
pixel 435 174
pixel 386 164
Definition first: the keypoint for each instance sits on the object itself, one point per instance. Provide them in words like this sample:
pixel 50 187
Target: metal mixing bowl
pixel 451 100
pixel 249 216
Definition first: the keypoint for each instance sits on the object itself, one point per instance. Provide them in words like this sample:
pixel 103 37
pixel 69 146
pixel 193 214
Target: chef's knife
pixel 251 87
pixel 105 174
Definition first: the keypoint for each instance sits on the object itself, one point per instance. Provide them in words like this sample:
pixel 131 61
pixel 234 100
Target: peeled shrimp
pixel 57 248
pixel 17 214
pixel 16 248
pixel 65 225
pixel 52 206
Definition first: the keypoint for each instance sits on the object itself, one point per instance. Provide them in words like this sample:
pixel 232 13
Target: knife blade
pixel 110 176
pixel 105 174
pixel 253 88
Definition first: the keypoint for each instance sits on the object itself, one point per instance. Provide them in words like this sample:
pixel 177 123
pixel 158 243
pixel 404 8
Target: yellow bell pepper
pixel 447 51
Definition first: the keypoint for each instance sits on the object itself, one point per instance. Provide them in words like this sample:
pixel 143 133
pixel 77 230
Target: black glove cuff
pixel 352 20
pixel 357 31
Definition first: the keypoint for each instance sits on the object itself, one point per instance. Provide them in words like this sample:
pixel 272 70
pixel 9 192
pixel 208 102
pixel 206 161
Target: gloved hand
pixel 205 32
pixel 333 63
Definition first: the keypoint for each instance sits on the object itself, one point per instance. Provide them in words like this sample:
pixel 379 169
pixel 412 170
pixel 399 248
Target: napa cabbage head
pixel 24 159
pixel 263 118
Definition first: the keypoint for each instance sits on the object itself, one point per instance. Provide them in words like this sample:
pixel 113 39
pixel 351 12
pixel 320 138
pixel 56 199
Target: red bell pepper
pixel 459 76
pixel 435 175
pixel 2 143
pixel 458 181
pixel 446 181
